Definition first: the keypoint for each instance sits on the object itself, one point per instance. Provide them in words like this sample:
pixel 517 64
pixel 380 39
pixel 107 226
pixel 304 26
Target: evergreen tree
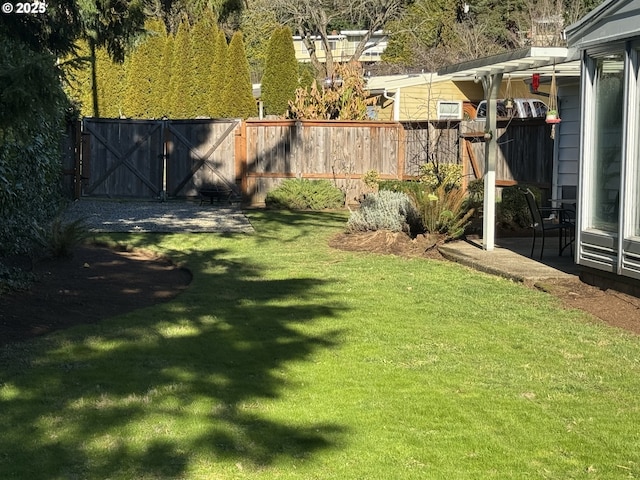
pixel 162 107
pixel 280 78
pixel 237 95
pixel 143 75
pixel 218 76
pixel 203 50
pixel 181 80
pixel 78 86
pixel 110 81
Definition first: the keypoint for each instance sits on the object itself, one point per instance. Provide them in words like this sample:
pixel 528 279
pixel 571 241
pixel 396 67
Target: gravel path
pixel 153 216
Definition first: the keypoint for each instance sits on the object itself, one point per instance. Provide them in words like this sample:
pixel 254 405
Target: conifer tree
pixel 110 79
pixel 181 82
pixel 162 106
pixel 217 75
pixel 237 95
pixel 280 78
pixel 143 74
pixel 203 49
pixel 78 86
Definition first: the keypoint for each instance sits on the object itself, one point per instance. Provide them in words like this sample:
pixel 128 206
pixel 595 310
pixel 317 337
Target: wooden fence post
pixel 402 152
pixel 240 158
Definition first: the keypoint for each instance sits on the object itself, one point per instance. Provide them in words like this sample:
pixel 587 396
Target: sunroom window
pixel 609 106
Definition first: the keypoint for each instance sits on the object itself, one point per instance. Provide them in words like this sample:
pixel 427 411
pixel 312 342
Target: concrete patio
pixel 510 258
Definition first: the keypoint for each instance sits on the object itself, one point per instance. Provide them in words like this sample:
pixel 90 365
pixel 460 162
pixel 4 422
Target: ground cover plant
pixel 288 359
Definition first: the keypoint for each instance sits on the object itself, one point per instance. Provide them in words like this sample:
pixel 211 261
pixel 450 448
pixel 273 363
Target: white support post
pixel 491 85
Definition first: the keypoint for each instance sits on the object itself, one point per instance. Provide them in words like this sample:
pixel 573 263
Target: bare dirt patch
pixel 389 243
pixel 95 283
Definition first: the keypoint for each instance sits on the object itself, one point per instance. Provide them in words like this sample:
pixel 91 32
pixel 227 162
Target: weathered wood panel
pixel 339 151
pixel 525 151
pixel 200 154
pixel 125 158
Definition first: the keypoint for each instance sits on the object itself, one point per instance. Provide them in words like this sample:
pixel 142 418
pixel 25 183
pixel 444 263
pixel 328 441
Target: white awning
pixel 519 63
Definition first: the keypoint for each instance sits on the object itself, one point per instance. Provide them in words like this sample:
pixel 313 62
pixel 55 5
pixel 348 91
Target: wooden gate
pixel 200 155
pixel 124 158
pixel 156 158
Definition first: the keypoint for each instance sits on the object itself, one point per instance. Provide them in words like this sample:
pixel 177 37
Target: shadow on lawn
pixel 183 383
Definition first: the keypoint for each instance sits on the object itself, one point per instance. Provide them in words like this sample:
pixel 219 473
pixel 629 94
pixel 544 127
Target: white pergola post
pixel 491 84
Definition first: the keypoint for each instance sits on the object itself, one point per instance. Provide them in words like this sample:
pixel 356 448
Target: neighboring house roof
pixel 392 82
pixel 611 21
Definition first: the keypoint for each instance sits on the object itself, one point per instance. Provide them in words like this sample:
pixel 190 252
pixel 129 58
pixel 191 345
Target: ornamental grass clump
pixel 60 238
pixel 443 211
pixel 385 210
pixel 303 194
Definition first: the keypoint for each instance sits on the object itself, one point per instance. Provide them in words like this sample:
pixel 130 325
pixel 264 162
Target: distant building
pixel 343 46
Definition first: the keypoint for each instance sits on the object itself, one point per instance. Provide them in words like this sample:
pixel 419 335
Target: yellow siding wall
pixel 420 102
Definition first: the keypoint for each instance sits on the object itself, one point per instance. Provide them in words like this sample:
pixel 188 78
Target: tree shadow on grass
pixel 186 383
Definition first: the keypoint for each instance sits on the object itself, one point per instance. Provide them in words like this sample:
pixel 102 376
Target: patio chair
pixel 544 220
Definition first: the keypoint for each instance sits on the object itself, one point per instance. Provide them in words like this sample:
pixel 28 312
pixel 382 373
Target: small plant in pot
pixel 552 116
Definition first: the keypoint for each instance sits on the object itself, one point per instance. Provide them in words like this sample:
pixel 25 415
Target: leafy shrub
pixel 475 191
pixel 14 278
pixel 371 179
pixel 385 210
pixel 434 175
pixel 444 211
pixel 402 186
pixel 513 211
pixel 31 121
pixel 303 194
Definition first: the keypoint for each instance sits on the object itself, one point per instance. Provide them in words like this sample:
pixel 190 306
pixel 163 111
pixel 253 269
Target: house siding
pixel 420 102
pixel 567 139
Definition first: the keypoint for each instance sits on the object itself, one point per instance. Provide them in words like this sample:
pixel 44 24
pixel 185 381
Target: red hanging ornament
pixel 535 82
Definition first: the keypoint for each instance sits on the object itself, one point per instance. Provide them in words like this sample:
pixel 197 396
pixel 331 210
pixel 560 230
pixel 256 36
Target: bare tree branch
pixel 311 20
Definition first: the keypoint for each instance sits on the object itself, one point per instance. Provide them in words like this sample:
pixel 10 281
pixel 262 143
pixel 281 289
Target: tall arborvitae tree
pixel 110 80
pixel 203 50
pixel 218 75
pixel 162 106
pixel 181 83
pixel 280 78
pixel 237 96
pixel 78 86
pixel 144 74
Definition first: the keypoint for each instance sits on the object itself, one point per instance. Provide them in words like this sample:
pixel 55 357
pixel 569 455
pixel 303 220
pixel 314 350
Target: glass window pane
pixel 607 154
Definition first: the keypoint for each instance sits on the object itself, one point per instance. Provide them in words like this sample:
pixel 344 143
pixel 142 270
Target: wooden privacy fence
pixel 525 152
pixel 338 151
pixel 177 158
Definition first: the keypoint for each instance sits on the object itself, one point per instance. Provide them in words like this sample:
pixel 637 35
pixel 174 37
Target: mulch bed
pixel 97 282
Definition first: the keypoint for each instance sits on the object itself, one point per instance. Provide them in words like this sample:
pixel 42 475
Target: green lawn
pixel 286 359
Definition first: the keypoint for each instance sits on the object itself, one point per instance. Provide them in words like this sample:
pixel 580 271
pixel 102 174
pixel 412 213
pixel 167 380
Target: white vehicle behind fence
pixel 522 108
